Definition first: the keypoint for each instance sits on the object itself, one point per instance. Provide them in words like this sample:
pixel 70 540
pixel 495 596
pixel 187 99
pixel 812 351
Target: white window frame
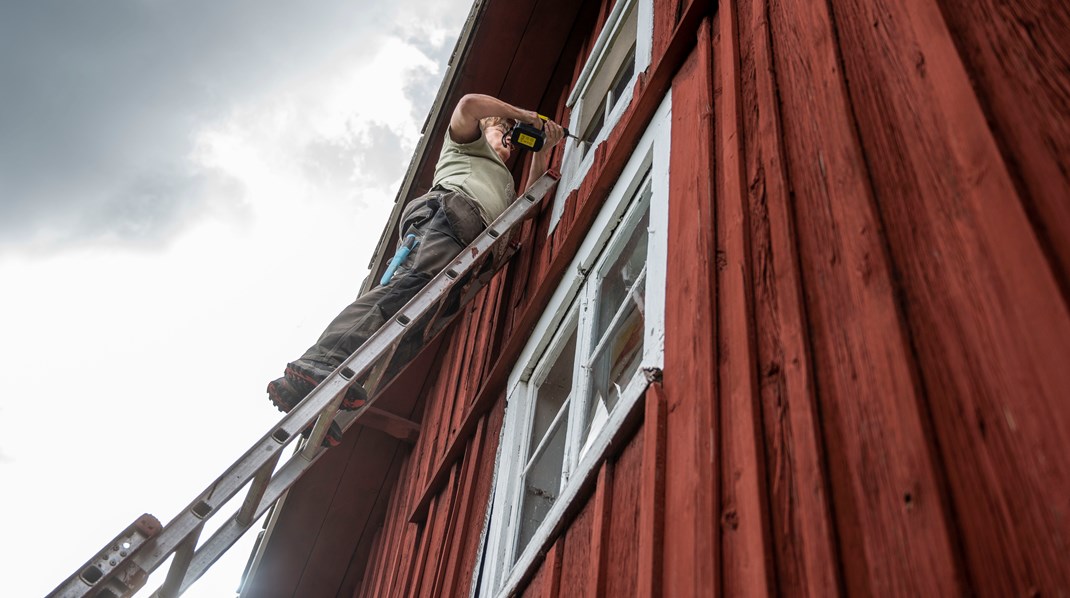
pixel 649 162
pixel 578 159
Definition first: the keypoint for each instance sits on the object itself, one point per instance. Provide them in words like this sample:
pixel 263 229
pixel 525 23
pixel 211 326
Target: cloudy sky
pixel 189 191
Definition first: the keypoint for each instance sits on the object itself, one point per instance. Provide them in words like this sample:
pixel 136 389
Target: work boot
pixel 286 393
pixel 313 373
pixel 300 379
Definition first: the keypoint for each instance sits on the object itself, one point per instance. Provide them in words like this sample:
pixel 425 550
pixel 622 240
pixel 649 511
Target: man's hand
pixel 554 134
pixel 540 160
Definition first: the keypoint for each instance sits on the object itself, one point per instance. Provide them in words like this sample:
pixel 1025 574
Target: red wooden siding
pixel 866 372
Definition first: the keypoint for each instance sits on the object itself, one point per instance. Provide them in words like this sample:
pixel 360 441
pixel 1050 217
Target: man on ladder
pixel 472 186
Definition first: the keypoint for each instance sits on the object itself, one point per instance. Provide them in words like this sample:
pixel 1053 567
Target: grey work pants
pixel 444 223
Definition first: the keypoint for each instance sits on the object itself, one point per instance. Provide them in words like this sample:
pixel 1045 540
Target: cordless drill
pixel 530 137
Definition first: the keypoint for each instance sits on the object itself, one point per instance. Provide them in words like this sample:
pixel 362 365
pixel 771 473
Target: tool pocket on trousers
pixel 407 285
pixel 463 216
pixel 418 214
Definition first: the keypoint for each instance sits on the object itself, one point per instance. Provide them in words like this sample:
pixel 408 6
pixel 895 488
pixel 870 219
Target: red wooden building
pixel 795 322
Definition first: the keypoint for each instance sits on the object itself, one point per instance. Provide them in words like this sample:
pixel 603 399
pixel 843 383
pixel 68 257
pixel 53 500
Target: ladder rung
pixel 256 490
pixel 323 424
pixel 180 565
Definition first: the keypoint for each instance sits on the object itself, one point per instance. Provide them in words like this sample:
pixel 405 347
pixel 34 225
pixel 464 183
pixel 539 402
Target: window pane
pixel 552 392
pixel 590 134
pixel 619 277
pixel 542 483
pixel 614 366
pixel 624 75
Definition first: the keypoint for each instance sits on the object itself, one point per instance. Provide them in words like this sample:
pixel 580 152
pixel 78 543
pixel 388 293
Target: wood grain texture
pixel 575 565
pixel 468 551
pixel 602 508
pixel 546 583
pixel 984 308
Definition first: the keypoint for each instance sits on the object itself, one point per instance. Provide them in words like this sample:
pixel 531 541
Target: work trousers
pixel 444 223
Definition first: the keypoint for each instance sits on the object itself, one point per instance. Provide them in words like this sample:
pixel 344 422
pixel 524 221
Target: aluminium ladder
pixel 123 565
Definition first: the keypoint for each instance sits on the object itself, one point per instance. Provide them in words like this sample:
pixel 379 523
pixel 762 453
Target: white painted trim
pixel 502 574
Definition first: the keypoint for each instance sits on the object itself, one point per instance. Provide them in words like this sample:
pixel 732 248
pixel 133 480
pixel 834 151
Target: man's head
pixel 496 129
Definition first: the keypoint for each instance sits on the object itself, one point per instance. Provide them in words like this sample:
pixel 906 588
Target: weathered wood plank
pixel 746 552
pixel 651 524
pixel 577 551
pixel 388 556
pixel 408 582
pixel 471 351
pixel 481 494
pixel 602 505
pixel 622 532
pixel 691 558
pixel 806 557
pixel 462 525
pixel 436 537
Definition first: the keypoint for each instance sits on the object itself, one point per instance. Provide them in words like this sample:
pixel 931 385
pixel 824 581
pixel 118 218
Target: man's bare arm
pixel 464 123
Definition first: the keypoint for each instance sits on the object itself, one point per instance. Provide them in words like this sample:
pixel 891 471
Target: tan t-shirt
pixel 476 170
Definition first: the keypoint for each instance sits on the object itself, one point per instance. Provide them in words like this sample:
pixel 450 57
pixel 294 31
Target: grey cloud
pixel 384 158
pixel 98 101
pixel 155 205
pixel 330 161
pixel 378 155
pixel 421 90
pixel 144 212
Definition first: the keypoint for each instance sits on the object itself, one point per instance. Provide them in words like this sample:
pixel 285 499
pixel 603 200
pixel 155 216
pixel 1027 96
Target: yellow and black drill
pixel 530 137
